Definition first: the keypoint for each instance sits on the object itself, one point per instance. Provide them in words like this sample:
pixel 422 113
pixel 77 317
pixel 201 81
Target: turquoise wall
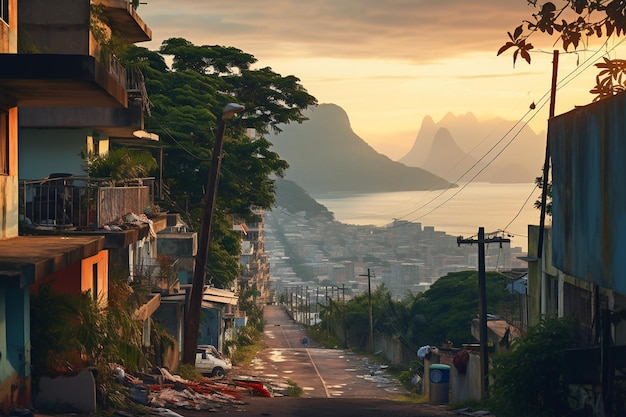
pixel 18 330
pixel 46 151
pixel 14 332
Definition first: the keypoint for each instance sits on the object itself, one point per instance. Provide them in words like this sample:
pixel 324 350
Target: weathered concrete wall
pixel 77 392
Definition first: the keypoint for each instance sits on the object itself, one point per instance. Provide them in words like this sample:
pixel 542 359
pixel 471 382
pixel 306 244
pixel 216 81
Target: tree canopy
pixel 444 312
pixel 186 102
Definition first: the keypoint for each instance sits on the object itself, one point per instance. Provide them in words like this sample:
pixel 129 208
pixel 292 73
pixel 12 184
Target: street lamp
pixel 192 324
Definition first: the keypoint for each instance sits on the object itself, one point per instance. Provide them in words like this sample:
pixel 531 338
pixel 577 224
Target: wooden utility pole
pixel 482 302
pixel 369 303
pixel 546 162
pixel 192 325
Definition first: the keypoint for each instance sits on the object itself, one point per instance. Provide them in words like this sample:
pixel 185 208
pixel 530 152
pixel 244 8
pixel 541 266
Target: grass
pixel 294 389
pixel 414 398
pixel 243 355
pixel 321 336
pixel 188 372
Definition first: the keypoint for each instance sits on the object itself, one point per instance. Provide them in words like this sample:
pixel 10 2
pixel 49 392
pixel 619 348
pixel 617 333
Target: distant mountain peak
pixel 326 155
pixel 443 137
pixel 518 148
pixel 332 115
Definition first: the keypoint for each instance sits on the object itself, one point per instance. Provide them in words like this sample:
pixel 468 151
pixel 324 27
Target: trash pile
pixel 162 390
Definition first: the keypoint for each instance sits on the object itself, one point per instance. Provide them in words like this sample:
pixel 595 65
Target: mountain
pixel 443 150
pixel 325 155
pixel 468 146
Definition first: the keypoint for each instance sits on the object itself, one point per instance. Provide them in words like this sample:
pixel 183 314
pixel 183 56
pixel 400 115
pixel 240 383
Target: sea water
pixel 508 208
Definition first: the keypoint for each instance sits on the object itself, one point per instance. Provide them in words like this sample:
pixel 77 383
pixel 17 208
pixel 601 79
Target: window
pixel 4 142
pixel 4 10
pixel 94 277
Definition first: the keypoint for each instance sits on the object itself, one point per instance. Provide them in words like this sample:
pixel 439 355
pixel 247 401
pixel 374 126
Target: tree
pixel 450 305
pixel 537 205
pixel 186 102
pixel 575 22
pixel 442 313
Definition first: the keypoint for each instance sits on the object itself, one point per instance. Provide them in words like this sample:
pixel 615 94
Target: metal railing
pixel 64 201
pixel 117 70
pixel 135 82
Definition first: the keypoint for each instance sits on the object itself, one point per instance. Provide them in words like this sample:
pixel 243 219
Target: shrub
pixel 527 379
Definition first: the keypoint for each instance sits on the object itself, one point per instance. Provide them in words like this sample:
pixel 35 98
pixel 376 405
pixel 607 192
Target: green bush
pixel 527 379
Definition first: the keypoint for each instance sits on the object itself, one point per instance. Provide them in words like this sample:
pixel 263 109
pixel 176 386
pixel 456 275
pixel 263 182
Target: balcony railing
pixel 64 201
pixel 136 86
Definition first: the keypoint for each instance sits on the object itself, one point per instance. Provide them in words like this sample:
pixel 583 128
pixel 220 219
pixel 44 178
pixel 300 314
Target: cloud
pixel 409 30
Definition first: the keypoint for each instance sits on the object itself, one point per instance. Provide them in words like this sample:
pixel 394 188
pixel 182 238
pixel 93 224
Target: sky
pixel 391 63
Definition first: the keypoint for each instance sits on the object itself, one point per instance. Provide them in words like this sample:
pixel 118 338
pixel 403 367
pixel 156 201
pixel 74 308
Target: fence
pixel 63 201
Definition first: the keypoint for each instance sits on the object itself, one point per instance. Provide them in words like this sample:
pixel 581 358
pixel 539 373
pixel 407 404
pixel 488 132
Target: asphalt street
pixel 334 382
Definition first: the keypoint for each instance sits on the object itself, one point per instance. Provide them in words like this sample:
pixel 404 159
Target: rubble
pixel 163 390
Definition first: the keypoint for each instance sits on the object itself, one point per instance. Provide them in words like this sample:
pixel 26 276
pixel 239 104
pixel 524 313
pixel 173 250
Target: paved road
pixel 335 383
pixel 320 372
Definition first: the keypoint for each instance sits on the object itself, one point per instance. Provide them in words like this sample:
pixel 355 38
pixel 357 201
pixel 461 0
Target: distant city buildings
pixel 404 256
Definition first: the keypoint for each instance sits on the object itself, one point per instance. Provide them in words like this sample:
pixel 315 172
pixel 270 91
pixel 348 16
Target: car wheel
pixel 218 372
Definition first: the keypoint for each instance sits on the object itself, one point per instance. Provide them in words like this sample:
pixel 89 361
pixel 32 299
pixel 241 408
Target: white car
pixel 211 362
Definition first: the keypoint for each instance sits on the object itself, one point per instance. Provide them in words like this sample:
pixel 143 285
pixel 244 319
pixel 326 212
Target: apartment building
pixel 61 92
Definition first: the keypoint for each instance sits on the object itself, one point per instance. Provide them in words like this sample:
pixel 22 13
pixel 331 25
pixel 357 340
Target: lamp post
pixel 192 324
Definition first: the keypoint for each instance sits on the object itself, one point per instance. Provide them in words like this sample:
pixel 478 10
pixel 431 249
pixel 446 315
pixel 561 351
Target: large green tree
pixel 450 305
pixel 186 103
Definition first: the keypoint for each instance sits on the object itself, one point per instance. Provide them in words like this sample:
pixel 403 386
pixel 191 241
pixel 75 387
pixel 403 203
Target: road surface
pixel 334 382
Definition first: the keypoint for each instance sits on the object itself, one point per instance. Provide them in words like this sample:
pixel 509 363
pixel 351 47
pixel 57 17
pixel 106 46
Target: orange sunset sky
pixel 388 64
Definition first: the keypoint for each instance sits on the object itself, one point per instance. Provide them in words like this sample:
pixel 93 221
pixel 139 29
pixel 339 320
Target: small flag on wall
pixel 244 229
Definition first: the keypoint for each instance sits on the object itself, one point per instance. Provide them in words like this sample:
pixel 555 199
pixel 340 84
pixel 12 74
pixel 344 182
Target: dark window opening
pixel 4 142
pixel 4 11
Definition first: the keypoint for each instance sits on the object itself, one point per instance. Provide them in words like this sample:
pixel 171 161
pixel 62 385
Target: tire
pixel 218 372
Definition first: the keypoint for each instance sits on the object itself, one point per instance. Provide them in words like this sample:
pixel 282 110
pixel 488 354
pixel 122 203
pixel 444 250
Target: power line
pixel 542 102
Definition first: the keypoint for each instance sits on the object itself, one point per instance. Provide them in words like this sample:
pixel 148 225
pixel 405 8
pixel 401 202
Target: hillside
pixel 325 155
pixel 294 199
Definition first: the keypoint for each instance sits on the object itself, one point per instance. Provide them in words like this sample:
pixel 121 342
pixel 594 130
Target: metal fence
pixel 63 201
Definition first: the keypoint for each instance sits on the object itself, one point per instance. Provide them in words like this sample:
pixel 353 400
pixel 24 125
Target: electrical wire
pixel 542 102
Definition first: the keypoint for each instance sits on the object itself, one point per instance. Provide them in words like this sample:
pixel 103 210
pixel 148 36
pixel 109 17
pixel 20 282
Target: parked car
pixel 209 361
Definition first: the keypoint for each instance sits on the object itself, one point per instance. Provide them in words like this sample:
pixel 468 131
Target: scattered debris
pixel 161 391
pixel 255 386
pixel 469 412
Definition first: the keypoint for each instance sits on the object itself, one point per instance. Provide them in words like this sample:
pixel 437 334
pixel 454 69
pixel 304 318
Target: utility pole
pixel 546 162
pixel 317 303
pixel 308 307
pixel 369 303
pixel 329 306
pixel 297 310
pixel 192 325
pixel 482 302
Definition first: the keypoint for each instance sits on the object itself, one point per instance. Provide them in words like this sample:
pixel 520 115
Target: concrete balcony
pixel 72 203
pixel 61 80
pixel 114 122
pixel 123 19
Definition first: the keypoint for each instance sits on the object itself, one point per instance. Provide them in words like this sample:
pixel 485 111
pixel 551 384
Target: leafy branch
pixel 572 21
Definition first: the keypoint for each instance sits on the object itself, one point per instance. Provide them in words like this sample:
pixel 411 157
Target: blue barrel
pixel 439 383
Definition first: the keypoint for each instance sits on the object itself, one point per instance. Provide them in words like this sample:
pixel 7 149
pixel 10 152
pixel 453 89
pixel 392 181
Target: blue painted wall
pixel 589 193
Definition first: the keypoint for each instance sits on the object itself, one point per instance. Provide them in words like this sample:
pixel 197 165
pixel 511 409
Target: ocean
pixel 458 211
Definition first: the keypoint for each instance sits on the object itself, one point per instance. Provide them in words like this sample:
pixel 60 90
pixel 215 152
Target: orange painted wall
pixel 79 278
pixel 101 262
